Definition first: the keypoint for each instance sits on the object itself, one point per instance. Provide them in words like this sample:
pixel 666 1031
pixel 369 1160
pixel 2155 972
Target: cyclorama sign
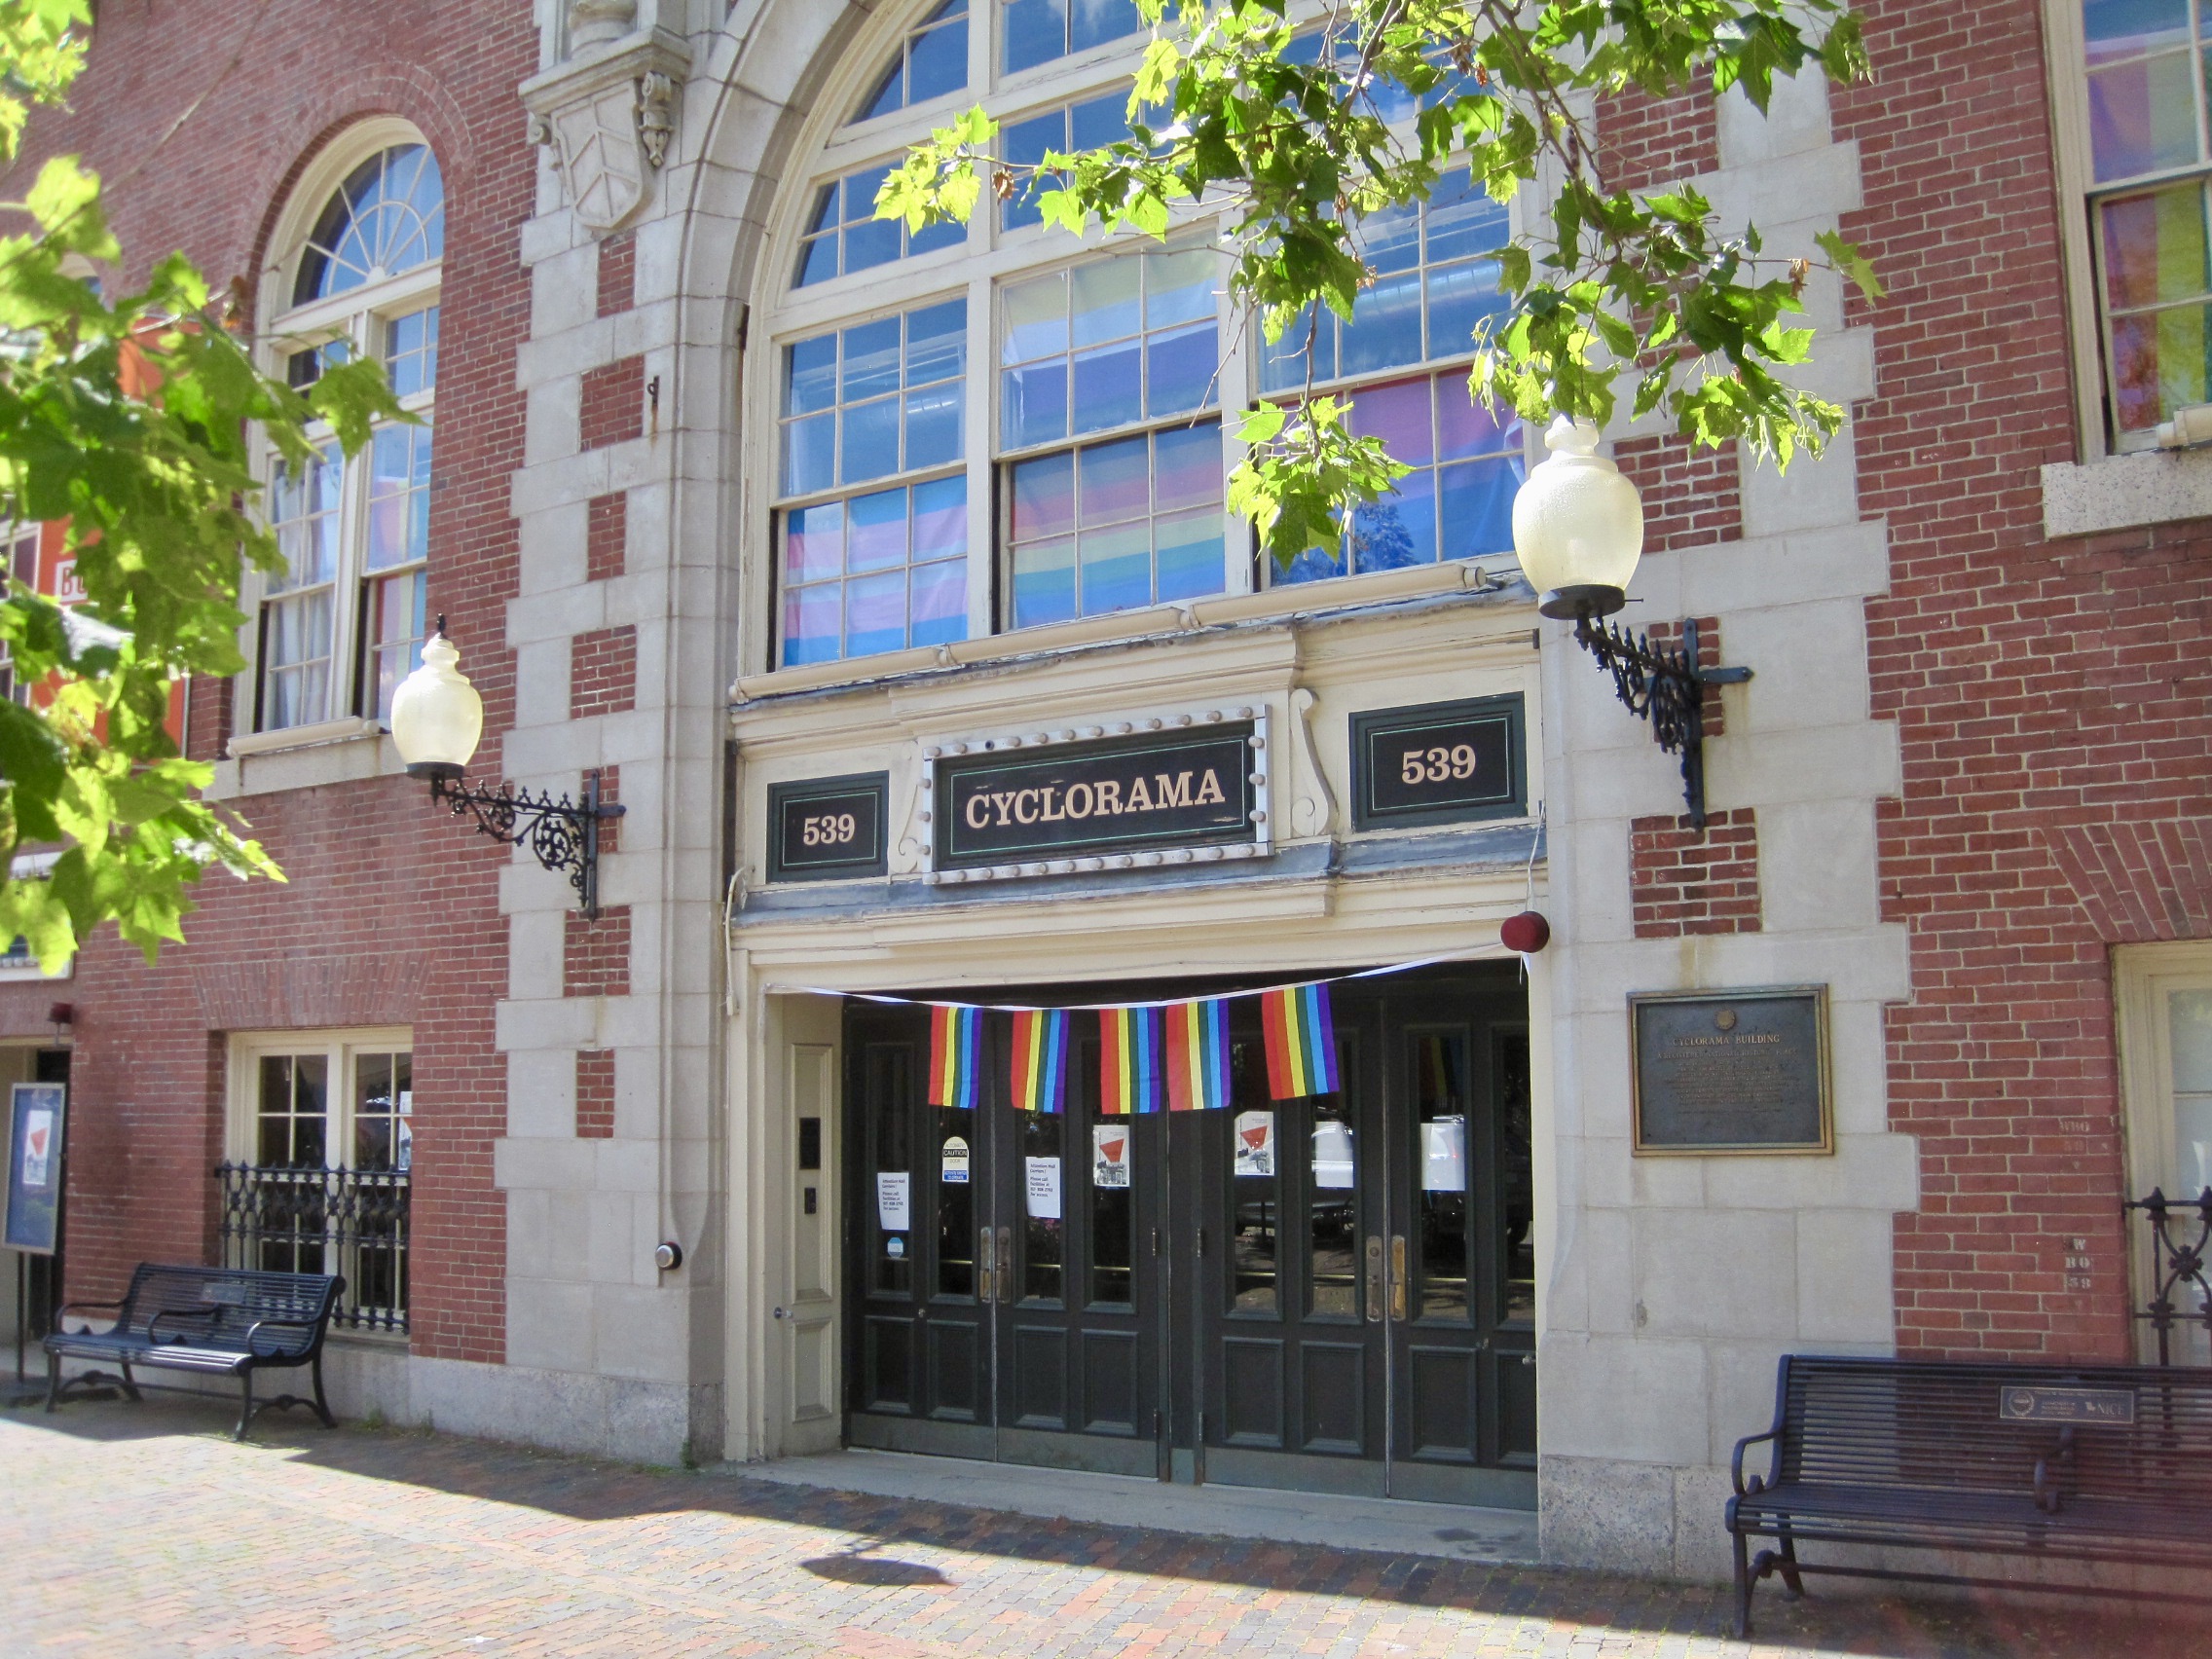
pixel 1183 792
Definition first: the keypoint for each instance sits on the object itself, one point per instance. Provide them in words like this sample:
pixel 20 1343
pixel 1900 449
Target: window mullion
pixel 979 429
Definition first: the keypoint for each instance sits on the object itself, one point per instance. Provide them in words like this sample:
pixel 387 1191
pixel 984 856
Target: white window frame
pixel 2143 977
pixel 359 316
pixel 342 1049
pixel 974 268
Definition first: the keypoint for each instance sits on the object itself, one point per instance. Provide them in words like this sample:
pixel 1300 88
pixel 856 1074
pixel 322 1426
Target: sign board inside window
pixel 35 1129
pixel 827 829
pixel 1149 791
pixel 1438 764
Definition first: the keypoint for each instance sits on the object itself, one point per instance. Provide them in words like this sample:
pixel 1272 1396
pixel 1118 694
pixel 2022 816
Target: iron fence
pixel 2181 1241
pixel 349 1222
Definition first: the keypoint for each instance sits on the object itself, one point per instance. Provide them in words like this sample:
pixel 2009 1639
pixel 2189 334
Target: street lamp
pixel 1578 533
pixel 438 719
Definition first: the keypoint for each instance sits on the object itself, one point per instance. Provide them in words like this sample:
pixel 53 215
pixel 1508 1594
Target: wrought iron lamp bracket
pixel 1661 684
pixel 562 835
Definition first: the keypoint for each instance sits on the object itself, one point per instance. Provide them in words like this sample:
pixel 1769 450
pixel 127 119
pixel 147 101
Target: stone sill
pixel 302 737
pixel 2122 491
pixel 1151 622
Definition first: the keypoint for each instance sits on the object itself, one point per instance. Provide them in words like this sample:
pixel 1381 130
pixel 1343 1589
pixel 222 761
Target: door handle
pixel 1374 1279
pixel 1006 1265
pixel 985 1280
pixel 1398 1276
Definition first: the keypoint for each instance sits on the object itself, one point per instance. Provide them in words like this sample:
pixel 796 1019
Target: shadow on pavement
pixel 588 1490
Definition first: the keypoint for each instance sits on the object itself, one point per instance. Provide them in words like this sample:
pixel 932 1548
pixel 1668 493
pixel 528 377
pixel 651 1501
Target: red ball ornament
pixel 1526 934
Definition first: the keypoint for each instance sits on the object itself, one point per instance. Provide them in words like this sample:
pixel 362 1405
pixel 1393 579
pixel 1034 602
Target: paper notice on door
pixel 1044 1187
pixel 1444 1155
pixel 38 1147
pixel 955 1161
pixel 1109 1155
pixel 891 1209
pixel 1331 1154
pixel 1255 1143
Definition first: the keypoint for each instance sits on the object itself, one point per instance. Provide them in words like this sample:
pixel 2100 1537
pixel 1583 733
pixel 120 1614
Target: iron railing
pixel 349 1222
pixel 2179 1265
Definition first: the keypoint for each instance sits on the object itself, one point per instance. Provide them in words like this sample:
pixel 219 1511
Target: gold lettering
pixel 1051 817
pixel 1005 804
pixel 1109 798
pixel 1019 816
pixel 978 801
pixel 1140 797
pixel 1083 811
pixel 1179 794
pixel 1209 792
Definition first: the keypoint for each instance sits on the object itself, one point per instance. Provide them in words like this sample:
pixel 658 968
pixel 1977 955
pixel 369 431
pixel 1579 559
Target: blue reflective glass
pixel 859 195
pixel 1107 389
pixel 810 455
pixel 1398 531
pixel 1478 505
pixel 890 94
pixel 869 245
pixel 1191 555
pixel 938 62
pixel 937 341
pixel 940 518
pixel 871 440
pixel 1181 368
pixel 1390 240
pixel 1033 404
pixel 1392 102
pixel 1099 120
pixel 1385 332
pixel 930 238
pixel 1097 21
pixel 1027 143
pixel 932 424
pixel 825 211
pixel 872 359
pixel 818 259
pixel 1117 568
pixel 1460 296
pixel 810 375
pixel 1032 32
pixel 1462 222
pixel 1310 565
pixel 1282 363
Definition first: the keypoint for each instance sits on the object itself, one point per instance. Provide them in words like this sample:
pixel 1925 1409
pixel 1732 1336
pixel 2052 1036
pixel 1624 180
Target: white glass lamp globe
pixel 436 715
pixel 1577 525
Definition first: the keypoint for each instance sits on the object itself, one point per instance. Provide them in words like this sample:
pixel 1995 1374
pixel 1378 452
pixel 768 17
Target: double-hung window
pixel 343 623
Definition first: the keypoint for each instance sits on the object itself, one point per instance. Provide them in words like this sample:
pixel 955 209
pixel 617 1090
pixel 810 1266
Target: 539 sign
pixel 827 829
pixel 1438 764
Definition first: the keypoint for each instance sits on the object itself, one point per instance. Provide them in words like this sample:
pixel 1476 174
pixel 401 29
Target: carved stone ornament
pixel 609 111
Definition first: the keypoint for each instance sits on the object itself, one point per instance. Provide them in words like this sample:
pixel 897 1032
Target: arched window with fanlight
pixel 995 427
pixel 343 623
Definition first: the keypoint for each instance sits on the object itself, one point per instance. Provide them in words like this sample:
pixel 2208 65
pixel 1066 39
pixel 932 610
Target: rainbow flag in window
pixel 1302 1042
pixel 957 1056
pixel 1040 1059
pixel 1128 1060
pixel 1198 1054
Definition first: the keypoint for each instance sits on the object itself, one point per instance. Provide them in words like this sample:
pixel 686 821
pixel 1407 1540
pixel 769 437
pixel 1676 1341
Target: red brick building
pixel 725 506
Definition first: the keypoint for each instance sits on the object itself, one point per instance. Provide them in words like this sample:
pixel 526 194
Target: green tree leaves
pixel 128 424
pixel 1289 138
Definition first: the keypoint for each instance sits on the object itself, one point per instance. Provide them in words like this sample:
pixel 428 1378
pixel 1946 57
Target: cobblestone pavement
pixel 143 1530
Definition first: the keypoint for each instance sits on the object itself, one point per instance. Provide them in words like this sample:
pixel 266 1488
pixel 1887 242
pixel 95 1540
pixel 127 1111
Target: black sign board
pixel 1732 1071
pixel 35 1129
pixel 1173 789
pixel 827 829
pixel 1438 764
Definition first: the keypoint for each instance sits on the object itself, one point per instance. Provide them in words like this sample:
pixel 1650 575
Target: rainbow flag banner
pixel 957 1056
pixel 1040 1060
pixel 1198 1054
pixel 1302 1042
pixel 1128 1060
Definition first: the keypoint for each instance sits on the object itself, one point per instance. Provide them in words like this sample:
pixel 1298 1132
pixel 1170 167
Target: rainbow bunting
pixel 1040 1059
pixel 1302 1043
pixel 1198 1054
pixel 1128 1060
pixel 956 1051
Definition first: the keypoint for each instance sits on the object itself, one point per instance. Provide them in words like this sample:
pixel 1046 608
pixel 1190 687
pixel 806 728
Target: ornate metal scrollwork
pixel 2178 1263
pixel 1662 685
pixel 560 834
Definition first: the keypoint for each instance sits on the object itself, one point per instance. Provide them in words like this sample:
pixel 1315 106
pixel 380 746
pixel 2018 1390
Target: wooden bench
pixel 220 1321
pixel 2056 1462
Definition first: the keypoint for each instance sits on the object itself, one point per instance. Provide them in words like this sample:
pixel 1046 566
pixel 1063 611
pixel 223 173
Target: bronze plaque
pixel 1732 1071
pixel 2115 1406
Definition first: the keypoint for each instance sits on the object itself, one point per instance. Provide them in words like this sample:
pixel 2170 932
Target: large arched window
pixel 344 623
pixel 1000 427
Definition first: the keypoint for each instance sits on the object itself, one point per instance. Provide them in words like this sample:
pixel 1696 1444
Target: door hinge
pixel 1156 1242
pixel 1156 1425
pixel 1201 1240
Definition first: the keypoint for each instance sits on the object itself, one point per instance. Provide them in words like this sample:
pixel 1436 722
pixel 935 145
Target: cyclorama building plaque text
pixel 1732 1071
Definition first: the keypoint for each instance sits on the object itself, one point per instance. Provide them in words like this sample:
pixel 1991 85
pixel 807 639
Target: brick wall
pixel 617 274
pixel 602 671
pixel 607 537
pixel 390 914
pixel 596 961
pixel 595 1093
pixel 1686 881
pixel 613 409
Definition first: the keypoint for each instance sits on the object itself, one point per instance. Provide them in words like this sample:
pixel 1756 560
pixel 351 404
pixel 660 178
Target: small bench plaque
pixel 1732 1071
pixel 2115 1406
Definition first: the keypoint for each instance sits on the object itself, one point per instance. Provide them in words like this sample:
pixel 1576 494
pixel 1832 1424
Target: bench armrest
pixel 81 1309
pixel 1736 1462
pixel 153 1325
pixel 259 1325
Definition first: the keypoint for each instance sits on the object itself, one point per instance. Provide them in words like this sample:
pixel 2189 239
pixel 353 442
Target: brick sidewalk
pixel 143 1530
